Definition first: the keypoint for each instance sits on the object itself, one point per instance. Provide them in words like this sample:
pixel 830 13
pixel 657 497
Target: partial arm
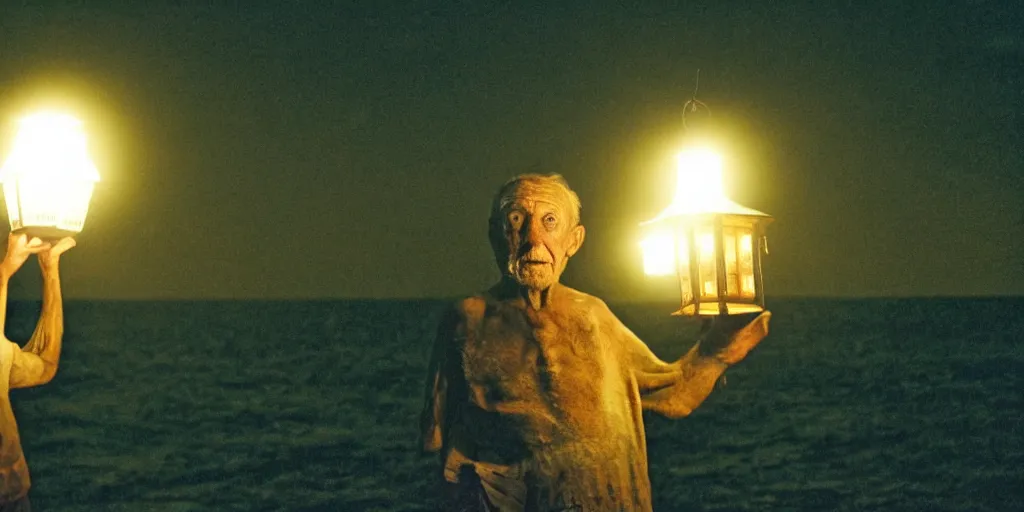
pixel 676 389
pixel 5 278
pixel 432 419
pixel 37 362
pixel 29 369
pixel 19 248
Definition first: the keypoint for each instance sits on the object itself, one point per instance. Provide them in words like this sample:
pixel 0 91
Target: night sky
pixel 298 150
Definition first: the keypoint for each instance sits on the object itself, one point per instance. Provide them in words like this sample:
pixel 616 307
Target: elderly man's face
pixel 540 235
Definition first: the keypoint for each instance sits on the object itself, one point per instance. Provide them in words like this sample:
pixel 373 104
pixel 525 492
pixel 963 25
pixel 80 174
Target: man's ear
pixel 578 234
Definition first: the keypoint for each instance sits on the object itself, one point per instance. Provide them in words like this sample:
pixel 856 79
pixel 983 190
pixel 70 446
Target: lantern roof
pixel 719 206
pixel 699 188
pixel 49 145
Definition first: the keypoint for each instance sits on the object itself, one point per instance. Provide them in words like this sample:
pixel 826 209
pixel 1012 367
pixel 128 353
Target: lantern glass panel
pixel 39 204
pixel 746 264
pixel 708 269
pixel 683 266
pixel 76 205
pixel 732 278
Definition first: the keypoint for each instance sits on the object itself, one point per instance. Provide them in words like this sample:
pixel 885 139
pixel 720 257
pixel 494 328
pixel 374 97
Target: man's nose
pixel 533 232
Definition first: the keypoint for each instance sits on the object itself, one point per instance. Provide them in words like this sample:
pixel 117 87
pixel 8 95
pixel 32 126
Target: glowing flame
pixel 699 187
pixel 50 145
pixel 699 182
pixel 699 191
pixel 707 246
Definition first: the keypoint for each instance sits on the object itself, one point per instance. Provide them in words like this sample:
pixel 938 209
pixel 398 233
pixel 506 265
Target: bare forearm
pixel 46 339
pixel 4 279
pixel 678 393
pixel 700 369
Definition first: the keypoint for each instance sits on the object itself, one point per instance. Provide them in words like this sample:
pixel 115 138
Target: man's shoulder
pixel 475 303
pixel 584 300
pixel 458 311
pixel 591 307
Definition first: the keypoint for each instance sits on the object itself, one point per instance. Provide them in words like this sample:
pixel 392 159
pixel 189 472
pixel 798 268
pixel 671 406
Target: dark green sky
pixel 316 151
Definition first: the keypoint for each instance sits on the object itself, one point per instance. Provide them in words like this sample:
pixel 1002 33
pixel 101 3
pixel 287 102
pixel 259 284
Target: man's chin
pixel 534 280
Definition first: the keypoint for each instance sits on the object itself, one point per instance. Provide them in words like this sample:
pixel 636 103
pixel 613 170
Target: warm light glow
pixel 50 145
pixel 48 178
pixel 699 188
pixel 699 179
pixel 748 286
pixel 722 275
pixel 707 264
pixel 746 246
pixel 659 255
pixel 746 266
pixel 706 242
pixel 732 280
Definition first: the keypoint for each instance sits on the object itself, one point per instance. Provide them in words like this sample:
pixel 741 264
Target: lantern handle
pixel 693 104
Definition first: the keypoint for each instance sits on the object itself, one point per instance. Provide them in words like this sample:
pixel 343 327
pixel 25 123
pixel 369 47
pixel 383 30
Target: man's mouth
pixel 535 262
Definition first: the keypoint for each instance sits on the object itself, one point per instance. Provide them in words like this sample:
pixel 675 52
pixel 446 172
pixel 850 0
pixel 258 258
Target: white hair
pixel 507 194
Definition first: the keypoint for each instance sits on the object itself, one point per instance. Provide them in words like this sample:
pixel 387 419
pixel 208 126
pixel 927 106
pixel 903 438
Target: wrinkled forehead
pixel 527 193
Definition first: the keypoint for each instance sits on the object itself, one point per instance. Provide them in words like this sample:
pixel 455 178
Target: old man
pixel 536 390
pixel 31 365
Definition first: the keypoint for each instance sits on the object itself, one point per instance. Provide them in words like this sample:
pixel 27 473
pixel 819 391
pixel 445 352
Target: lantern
pixel 48 177
pixel 711 243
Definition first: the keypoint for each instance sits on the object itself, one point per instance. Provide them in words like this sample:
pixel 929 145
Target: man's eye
pixel 515 218
pixel 550 220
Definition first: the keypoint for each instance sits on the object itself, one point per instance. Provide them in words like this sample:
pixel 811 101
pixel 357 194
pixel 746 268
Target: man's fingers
pixel 745 339
pixel 63 245
pixel 52 254
pixel 35 245
pixel 16 240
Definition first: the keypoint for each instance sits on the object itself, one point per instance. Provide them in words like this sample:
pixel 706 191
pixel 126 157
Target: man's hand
pixel 19 248
pixel 49 257
pixel 731 337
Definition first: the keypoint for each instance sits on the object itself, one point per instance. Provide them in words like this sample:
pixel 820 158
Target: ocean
pixel 880 404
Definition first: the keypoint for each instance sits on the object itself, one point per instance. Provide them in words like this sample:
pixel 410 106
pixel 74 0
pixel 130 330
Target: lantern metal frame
pixel 723 227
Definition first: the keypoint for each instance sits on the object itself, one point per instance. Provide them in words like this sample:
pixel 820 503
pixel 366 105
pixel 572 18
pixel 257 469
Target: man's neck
pixel 535 298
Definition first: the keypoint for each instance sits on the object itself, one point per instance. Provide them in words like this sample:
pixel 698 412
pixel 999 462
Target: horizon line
pixel 455 298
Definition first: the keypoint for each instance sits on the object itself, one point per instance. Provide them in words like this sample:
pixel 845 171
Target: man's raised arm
pixel 676 389
pixel 37 362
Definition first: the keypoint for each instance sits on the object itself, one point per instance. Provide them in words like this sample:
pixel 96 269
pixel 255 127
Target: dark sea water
pixel 847 405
